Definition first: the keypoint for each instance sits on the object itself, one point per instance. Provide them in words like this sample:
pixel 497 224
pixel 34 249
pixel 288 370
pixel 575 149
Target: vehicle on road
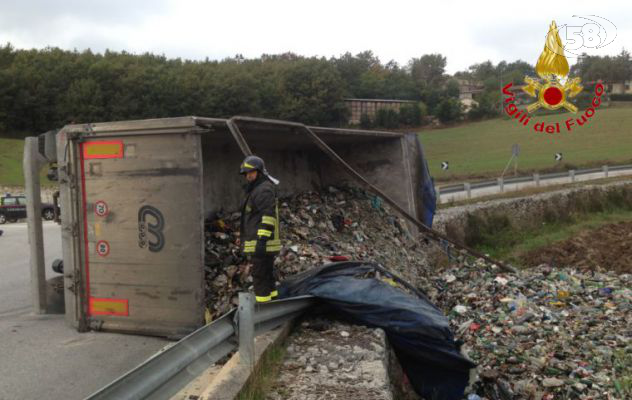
pixel 13 208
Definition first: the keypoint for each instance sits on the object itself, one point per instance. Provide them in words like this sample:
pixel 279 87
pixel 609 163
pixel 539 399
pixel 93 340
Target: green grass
pixel 511 243
pixel 482 149
pixel 11 152
pixel 264 375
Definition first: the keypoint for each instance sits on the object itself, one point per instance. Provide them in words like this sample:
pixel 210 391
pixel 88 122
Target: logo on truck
pixel 150 230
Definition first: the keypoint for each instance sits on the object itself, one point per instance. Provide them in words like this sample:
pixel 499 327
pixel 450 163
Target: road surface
pixel 40 356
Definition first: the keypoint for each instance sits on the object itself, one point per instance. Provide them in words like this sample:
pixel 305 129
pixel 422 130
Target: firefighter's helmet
pixel 252 163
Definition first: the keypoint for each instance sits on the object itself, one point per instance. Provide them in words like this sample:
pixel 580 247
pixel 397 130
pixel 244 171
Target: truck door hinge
pixel 75 280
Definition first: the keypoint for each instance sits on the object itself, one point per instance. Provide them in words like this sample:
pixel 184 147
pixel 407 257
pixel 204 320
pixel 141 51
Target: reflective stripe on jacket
pixel 260 218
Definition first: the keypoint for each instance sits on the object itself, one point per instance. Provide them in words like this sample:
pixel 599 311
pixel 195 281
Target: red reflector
pixel 118 307
pixel 99 150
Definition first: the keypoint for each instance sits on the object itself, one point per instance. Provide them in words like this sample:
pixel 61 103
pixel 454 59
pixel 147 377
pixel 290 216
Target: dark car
pixel 13 208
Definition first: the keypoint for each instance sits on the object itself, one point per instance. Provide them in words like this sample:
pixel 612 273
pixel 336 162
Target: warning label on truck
pixel 101 208
pixel 103 248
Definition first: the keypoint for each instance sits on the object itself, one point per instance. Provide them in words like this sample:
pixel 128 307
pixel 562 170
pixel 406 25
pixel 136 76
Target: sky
pixel 466 32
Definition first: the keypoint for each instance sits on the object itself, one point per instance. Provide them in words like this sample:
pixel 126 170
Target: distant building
pixel 619 87
pixel 357 107
pixel 467 90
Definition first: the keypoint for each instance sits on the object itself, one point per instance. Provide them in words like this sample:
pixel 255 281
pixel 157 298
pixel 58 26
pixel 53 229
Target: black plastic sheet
pixel 418 331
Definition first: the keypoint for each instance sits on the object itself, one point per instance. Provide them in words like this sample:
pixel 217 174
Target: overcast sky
pixel 466 32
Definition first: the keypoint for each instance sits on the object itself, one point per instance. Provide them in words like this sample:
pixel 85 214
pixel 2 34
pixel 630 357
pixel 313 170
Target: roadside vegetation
pixel 264 375
pixel 496 235
pixel 511 244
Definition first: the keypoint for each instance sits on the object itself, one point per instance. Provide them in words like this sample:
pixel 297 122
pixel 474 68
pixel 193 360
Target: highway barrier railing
pixel 463 187
pixel 171 369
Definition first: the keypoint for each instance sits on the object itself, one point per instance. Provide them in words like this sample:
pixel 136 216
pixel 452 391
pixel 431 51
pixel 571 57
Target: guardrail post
pixel 605 170
pixel 571 174
pixel 501 184
pixel 468 189
pixel 246 326
pixel 438 192
pixel 536 179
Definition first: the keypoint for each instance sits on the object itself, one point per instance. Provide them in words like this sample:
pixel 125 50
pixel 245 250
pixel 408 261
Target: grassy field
pixel 482 149
pixel 11 151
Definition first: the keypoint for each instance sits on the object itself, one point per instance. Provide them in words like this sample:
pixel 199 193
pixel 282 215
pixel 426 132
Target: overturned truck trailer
pixel 134 194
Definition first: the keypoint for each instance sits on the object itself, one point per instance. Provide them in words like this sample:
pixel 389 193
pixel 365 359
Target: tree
pixel 411 114
pixel 449 110
pixel 428 70
pixel 452 89
pixel 352 68
pixel 313 93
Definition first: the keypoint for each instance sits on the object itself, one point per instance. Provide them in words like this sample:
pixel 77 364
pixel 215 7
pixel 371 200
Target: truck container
pixel 134 195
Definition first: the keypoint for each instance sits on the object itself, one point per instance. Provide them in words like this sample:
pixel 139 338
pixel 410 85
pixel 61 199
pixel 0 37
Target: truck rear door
pixel 141 233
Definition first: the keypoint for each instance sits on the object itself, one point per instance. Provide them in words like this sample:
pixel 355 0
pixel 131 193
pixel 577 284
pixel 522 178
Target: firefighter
pixel 259 237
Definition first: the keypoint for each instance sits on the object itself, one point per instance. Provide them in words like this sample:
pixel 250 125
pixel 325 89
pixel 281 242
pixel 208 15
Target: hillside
pixel 482 149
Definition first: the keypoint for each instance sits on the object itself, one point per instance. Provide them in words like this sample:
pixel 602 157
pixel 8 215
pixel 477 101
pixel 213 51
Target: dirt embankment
pixel 608 247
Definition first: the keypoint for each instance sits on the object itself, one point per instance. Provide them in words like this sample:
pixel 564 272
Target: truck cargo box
pixel 134 195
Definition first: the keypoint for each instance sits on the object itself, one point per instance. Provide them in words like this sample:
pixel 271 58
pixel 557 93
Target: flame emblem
pixel 552 67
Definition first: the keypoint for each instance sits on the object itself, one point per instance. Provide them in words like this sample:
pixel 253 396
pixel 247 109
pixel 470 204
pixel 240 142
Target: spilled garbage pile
pixel 542 333
pixel 539 333
pixel 337 224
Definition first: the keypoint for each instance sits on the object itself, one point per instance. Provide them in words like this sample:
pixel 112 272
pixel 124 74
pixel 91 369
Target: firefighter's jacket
pixel 260 217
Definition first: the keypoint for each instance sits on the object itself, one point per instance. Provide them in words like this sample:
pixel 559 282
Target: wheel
pixel 3 219
pixel 48 214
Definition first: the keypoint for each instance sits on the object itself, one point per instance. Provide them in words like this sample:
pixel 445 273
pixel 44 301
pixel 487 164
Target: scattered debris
pixel 542 332
pixel 321 363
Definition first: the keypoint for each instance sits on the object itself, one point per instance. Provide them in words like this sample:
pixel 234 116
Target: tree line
pixel 47 88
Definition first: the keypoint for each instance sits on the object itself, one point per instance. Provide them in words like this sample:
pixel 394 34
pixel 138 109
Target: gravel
pixel 333 360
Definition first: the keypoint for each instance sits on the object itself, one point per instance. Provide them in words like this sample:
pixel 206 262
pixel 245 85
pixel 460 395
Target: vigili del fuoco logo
pixel 554 90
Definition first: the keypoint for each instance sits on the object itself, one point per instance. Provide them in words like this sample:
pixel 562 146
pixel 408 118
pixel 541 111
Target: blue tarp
pixel 418 331
pixel 428 194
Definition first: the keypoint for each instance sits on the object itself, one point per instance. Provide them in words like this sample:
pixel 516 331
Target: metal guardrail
pixel 462 187
pixel 167 372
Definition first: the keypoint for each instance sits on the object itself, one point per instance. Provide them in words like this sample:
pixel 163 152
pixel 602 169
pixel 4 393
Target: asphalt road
pixel 40 356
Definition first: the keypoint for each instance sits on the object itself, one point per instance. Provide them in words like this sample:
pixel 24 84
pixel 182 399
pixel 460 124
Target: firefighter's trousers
pixel 263 278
